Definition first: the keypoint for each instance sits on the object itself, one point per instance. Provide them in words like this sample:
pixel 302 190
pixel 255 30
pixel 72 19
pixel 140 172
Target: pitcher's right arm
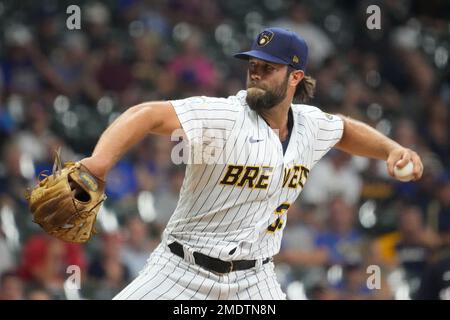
pixel 127 130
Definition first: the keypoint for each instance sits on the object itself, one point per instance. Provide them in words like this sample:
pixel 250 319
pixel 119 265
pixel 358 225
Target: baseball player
pixel 231 213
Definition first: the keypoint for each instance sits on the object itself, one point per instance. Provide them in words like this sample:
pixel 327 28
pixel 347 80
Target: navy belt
pixel 214 264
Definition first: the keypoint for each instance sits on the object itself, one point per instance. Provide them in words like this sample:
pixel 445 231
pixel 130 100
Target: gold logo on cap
pixel 264 38
pixel 295 59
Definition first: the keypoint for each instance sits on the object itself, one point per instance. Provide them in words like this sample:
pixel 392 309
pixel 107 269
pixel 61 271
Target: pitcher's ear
pixel 296 76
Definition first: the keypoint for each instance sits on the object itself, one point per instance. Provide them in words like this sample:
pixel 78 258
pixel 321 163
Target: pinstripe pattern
pixel 230 222
pixel 171 278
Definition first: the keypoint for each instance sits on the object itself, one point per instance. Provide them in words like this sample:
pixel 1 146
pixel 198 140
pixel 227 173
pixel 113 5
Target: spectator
pixel 326 180
pixel 121 182
pixel 138 246
pixel 353 285
pixel 167 199
pixel 342 241
pixel 409 248
pixel 435 283
pixel 97 16
pixel 299 20
pixel 71 68
pixel 107 271
pixel 11 286
pixel 194 72
pixel 114 73
pixel 298 258
pixel 20 75
pixel 13 183
pixel 443 208
pixel 7 262
pixel 437 131
pixel 45 260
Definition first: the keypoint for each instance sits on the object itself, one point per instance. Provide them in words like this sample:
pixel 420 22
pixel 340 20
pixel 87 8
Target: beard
pixel 260 98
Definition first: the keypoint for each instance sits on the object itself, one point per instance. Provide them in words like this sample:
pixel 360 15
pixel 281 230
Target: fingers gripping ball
pixel 404 174
pixel 65 204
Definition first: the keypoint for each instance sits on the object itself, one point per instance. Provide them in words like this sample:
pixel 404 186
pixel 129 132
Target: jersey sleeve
pixel 329 130
pixel 206 122
pixel 199 114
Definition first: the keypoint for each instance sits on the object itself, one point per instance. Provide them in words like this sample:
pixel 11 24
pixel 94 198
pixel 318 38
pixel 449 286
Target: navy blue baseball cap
pixel 278 45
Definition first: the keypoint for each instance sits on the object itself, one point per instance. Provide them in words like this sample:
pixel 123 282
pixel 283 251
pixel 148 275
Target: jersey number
pixel 282 208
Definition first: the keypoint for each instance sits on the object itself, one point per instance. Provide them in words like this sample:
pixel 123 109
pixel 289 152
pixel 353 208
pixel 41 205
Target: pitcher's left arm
pixel 360 139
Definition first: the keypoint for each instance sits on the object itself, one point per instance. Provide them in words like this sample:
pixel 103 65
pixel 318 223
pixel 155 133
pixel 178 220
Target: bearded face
pixel 262 97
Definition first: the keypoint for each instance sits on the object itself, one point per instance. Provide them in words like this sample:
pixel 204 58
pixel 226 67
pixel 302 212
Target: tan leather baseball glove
pixel 65 204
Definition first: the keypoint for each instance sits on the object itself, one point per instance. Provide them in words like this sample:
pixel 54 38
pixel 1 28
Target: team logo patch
pixel 89 181
pixel 265 37
pixel 329 116
pixel 295 59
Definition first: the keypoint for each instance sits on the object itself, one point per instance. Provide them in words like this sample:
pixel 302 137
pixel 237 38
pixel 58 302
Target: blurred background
pixel 61 87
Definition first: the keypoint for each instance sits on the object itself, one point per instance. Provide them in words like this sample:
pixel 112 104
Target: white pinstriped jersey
pixel 235 207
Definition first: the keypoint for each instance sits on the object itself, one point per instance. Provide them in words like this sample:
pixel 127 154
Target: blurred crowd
pixel 61 87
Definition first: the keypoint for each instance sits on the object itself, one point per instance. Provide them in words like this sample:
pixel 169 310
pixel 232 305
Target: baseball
pixel 406 173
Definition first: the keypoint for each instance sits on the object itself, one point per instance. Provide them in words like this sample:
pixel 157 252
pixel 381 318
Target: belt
pixel 214 264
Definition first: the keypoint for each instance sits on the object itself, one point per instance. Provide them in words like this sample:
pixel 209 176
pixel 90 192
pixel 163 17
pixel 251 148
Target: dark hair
pixel 305 89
